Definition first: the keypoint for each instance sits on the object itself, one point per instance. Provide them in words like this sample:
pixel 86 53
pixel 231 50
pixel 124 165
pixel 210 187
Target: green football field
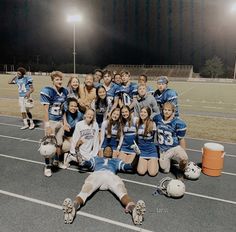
pixel 209 109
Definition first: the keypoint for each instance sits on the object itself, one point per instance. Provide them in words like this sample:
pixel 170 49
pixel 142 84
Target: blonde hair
pixel 55 74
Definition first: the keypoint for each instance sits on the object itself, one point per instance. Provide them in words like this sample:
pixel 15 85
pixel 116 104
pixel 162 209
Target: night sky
pixel 118 31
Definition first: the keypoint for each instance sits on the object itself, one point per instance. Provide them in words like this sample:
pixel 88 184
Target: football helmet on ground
pixel 170 187
pixel 192 171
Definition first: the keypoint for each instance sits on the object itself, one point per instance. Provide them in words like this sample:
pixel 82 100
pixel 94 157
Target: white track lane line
pixel 129 181
pixel 45 203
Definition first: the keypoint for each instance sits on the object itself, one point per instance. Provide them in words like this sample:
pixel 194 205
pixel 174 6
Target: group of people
pixel 108 124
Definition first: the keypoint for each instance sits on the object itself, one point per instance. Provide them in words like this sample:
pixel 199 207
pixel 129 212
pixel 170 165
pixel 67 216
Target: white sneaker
pixel 32 126
pixel 138 212
pixel 24 127
pixel 47 171
pixel 69 211
pixel 67 159
pixel 61 165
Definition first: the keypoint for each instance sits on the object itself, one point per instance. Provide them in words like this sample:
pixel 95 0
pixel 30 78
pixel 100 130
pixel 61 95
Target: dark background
pixel 118 31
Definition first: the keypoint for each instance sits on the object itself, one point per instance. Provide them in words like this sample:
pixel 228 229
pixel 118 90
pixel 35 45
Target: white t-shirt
pixel 89 134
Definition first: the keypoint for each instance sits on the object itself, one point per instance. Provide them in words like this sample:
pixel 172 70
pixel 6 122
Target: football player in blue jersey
pixel 53 98
pixel 110 132
pixel 71 117
pixel 127 93
pixel 171 131
pixel 117 79
pixel 110 86
pixel 148 161
pixel 164 94
pixel 143 80
pixel 25 88
pixel 128 134
pixel 104 178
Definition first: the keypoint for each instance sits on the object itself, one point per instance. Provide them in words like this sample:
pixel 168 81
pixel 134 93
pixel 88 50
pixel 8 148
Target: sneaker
pixel 24 127
pixel 138 212
pixel 47 171
pixel 61 165
pixel 67 159
pixel 55 163
pixel 32 126
pixel 69 211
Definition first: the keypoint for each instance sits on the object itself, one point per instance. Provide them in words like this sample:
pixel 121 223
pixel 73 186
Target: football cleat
pixel 69 211
pixel 47 171
pixel 24 127
pixel 138 212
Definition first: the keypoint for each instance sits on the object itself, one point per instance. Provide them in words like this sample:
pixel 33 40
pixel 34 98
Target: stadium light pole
pixel 234 65
pixel 74 19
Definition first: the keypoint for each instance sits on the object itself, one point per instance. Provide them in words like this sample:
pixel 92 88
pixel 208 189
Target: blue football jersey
pixel 23 84
pixel 111 91
pixel 127 93
pixel 72 119
pixel 169 95
pixel 105 164
pixel 55 100
pixel 169 132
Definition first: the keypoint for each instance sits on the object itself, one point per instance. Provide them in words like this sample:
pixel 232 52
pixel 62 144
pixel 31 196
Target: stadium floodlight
pixel 74 19
pixel 233 8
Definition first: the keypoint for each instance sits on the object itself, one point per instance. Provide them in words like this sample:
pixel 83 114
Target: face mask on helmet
pixel 29 103
pixel 48 146
pixel 170 187
pixel 192 171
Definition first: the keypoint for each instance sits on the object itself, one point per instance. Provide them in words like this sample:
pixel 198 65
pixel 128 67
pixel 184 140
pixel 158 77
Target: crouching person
pixel 104 178
pixel 171 131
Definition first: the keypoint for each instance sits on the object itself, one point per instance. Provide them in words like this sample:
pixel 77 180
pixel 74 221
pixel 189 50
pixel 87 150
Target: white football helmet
pixel 29 103
pixel 48 146
pixel 192 171
pixel 170 187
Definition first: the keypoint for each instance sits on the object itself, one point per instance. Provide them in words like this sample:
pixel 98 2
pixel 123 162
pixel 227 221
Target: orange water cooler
pixel 212 159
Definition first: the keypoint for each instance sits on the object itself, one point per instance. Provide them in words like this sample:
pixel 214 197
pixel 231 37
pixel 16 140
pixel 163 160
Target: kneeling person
pixel 104 178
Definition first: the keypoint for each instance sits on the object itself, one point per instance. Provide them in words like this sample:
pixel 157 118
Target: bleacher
pixel 178 72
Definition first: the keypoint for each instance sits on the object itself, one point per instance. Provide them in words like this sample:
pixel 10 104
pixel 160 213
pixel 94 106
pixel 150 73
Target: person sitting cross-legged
pixel 104 178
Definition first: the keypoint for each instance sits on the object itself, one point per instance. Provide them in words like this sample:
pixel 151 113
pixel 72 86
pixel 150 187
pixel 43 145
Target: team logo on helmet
pixel 192 171
pixel 29 103
pixel 48 146
pixel 170 187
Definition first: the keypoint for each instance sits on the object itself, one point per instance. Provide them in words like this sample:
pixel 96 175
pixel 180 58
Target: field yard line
pixel 34 141
pixel 213 107
pixel 45 203
pixel 207 116
pixel 186 91
pixel 129 181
